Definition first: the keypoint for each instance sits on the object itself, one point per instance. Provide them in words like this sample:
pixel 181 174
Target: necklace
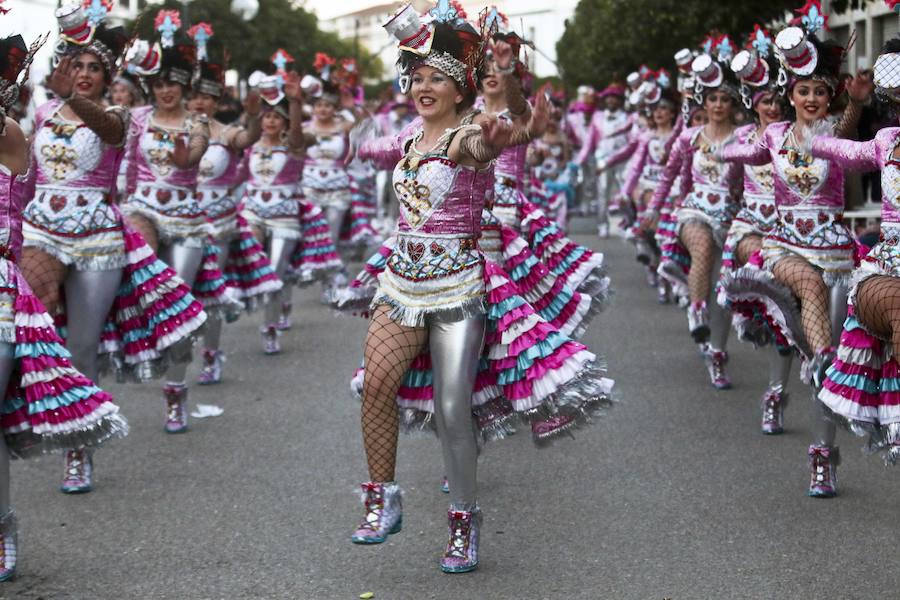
pixel 414 156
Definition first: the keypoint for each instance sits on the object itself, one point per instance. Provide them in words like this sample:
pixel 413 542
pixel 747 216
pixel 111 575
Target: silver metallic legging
pixel 455 348
pixel 280 251
pixel 7 362
pixel 89 298
pixel 719 317
pixel 186 263
pixel 824 428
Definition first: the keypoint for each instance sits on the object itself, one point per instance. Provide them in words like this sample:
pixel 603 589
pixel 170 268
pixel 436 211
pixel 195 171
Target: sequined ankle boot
pixel 773 403
pixel 715 363
pixel 8 535
pixel 384 513
pixel 211 373
pixel 464 528
pixel 79 471
pixel 823 462
pixel 270 335
pixel 284 319
pixel 176 408
pixel 698 322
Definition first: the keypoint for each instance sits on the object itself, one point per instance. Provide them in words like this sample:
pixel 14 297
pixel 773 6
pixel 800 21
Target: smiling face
pixel 492 82
pixel 203 103
pixel 167 94
pixel 769 109
pixel 273 124
pixel 719 106
pixel 90 78
pixel 810 99
pixel 434 93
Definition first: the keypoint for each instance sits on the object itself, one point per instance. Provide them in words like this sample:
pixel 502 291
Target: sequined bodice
pixel 329 150
pixel 706 168
pixel 273 166
pixel 801 180
pixel 67 154
pixel 441 196
pixel 611 126
pixel 153 152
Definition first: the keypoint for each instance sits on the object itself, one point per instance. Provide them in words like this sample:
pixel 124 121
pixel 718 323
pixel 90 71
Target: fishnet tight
pixel 807 284
pixel 746 247
pixel 390 349
pixel 878 308
pixel 45 274
pixel 698 240
pixel 146 228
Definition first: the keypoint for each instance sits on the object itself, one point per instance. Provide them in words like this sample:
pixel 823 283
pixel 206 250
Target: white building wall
pixel 874 24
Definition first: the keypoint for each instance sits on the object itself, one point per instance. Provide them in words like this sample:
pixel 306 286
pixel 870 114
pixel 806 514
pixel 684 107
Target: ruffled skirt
pixel 174 211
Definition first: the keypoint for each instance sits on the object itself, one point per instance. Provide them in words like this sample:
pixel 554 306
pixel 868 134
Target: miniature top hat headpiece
pixel 81 29
pixel 802 55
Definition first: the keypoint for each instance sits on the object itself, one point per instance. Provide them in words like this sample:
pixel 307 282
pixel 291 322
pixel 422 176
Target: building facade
pixel 874 24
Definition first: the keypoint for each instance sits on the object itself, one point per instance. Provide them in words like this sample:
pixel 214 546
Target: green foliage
pixel 607 39
pixel 279 24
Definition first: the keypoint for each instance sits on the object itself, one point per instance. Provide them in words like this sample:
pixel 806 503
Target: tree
pixel 279 24
pixel 606 39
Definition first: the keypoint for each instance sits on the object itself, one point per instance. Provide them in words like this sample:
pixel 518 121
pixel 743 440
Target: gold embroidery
pixel 59 159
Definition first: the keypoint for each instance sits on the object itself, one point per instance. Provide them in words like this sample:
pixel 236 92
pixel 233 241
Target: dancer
pixel 165 145
pixel 756 69
pixel 860 387
pixel 809 254
pixel 578 128
pixel 236 251
pixel 48 405
pixel 441 177
pixel 608 133
pixel 712 194
pixel 85 264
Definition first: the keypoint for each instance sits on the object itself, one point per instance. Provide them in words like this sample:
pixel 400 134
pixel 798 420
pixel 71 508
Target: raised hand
pixel 860 87
pixel 62 80
pixel 181 153
pixel 495 133
pixel 292 88
pixel 540 114
pixel 503 55
pixel 252 103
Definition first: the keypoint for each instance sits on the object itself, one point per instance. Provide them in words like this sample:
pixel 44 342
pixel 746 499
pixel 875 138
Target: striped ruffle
pixel 50 406
pixel 248 270
pixel 212 289
pixel 316 257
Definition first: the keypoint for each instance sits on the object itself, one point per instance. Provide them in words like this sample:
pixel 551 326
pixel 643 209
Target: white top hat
pixel 683 59
pixel 143 59
pixel 270 89
pixel 633 79
pixel 407 27
pixel 750 69
pixel 796 52
pixel 73 24
pixel 707 71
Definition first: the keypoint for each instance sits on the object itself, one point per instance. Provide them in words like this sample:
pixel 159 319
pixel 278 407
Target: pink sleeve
pixel 676 131
pixel 855 156
pixel 679 163
pixel 132 143
pixel 589 146
pixel 385 152
pixel 750 153
pixel 636 167
pixel 623 153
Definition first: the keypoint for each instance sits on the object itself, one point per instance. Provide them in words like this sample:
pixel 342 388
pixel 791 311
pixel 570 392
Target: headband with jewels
pixel 81 29
pixel 887 76
pixel 443 40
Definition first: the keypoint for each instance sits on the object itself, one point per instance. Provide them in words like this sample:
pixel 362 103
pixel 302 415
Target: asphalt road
pixel 674 494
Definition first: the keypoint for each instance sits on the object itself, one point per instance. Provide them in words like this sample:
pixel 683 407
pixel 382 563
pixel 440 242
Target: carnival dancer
pixel 756 68
pixel 578 128
pixel 85 264
pixel 645 171
pixel 553 183
pixel 809 254
pixel 435 298
pixel 608 132
pixel 273 205
pixel 712 189
pixel 326 180
pixel 860 387
pixel 49 406
pixel 236 251
pixel 394 118
pixel 165 145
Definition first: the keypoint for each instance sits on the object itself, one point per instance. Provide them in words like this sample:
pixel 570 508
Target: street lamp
pixel 245 9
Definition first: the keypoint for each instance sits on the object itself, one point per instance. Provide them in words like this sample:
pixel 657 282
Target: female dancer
pixel 755 69
pixel 271 205
pixel 79 255
pixel 861 385
pixel 165 145
pixel 432 295
pixel 218 176
pixel 810 252
pixel 48 404
pixel 711 200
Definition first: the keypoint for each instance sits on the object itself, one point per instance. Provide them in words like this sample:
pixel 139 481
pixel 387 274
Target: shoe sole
pixel 76 490
pixel 8 576
pixel 454 570
pixel 216 382
pixel 772 431
pixel 176 431
pixel 813 494
pixel 378 540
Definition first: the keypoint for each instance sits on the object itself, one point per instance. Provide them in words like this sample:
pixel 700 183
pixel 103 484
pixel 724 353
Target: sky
pixel 330 8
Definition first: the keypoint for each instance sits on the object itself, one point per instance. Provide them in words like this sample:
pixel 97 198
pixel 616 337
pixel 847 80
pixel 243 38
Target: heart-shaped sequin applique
pixel 805 226
pixel 82 201
pixel 416 250
pixel 767 210
pixel 823 218
pixel 752 207
pixel 163 196
pixel 57 203
pixel 266 196
pixel 437 249
pixel 713 198
pixel 788 217
pixel 182 195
